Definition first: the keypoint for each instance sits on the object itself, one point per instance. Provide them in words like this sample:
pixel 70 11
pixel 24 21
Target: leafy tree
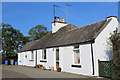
pixel 12 40
pixel 37 32
pixel 26 39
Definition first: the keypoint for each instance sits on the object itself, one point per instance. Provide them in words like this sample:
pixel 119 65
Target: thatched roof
pixel 68 35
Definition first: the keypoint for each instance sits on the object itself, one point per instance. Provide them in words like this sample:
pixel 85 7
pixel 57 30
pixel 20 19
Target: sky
pixel 25 15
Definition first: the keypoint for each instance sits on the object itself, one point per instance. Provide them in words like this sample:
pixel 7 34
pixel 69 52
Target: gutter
pixel 92 59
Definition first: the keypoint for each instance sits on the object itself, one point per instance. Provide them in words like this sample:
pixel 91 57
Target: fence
pixel 109 69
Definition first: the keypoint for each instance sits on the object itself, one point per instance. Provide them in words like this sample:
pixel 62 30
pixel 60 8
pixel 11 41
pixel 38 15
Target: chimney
pixel 57 24
pixel 111 17
pixel 114 18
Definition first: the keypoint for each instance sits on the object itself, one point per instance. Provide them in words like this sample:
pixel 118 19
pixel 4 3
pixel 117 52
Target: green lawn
pixel 10 66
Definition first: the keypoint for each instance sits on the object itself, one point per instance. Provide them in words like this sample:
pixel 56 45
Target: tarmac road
pixel 25 73
pixel 11 74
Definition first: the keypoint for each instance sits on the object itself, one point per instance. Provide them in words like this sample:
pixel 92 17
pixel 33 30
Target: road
pixel 11 74
pixel 33 74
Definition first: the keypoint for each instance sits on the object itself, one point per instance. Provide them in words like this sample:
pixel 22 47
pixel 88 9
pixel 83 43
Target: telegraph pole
pixel 66 6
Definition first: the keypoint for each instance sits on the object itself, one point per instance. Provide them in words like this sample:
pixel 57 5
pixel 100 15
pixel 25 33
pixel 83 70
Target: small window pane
pixel 76 57
pixel 25 56
pixel 57 54
pixel 44 54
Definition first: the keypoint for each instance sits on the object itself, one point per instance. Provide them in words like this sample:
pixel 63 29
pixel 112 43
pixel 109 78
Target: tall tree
pixel 12 40
pixel 37 32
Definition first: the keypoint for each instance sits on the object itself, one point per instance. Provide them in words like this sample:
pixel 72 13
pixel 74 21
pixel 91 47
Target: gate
pixel 109 69
pixel 105 69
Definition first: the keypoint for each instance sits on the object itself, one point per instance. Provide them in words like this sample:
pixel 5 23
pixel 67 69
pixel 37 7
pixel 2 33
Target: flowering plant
pixel 58 68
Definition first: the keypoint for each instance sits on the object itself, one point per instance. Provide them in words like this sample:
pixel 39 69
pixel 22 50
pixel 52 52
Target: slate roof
pixel 28 45
pixel 68 35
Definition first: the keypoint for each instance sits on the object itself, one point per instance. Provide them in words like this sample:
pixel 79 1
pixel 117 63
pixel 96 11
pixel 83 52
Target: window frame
pixel 32 55
pixel 44 54
pixel 76 48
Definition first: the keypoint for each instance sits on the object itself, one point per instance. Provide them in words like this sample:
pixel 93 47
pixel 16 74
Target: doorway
pixel 57 58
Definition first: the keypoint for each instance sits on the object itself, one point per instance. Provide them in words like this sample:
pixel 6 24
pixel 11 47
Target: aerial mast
pixel 66 6
pixel 54 6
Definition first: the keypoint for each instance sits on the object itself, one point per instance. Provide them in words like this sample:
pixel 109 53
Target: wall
pixel 102 49
pixel 26 61
pixel 57 26
pixel 21 58
pixel 67 59
pixel 49 58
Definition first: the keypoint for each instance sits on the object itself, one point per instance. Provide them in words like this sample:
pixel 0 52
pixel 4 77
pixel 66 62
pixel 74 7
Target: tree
pixel 37 32
pixel 12 40
pixel 25 39
pixel 115 39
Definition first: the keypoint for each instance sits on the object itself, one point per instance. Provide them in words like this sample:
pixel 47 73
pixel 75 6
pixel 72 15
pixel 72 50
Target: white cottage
pixel 75 50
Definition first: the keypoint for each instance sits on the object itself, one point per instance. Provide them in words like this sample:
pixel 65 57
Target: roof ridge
pixel 105 24
pixel 91 24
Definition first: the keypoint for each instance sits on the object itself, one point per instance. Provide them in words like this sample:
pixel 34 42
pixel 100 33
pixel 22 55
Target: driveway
pixel 6 73
pixel 26 72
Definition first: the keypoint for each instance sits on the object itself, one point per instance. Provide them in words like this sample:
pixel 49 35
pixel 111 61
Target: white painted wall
pixel 21 58
pixel 39 52
pixel 67 59
pixel 49 58
pixel 26 61
pixel 101 48
pixel 56 26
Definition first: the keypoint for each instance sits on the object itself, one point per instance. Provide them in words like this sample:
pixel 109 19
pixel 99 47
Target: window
pixel 44 54
pixel 76 54
pixel 76 46
pixel 32 55
pixel 57 54
pixel 25 56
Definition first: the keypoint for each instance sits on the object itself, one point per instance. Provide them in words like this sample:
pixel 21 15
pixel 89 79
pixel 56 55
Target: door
pixel 57 57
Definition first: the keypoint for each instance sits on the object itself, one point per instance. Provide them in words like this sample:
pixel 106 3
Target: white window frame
pixel 32 55
pixel 74 54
